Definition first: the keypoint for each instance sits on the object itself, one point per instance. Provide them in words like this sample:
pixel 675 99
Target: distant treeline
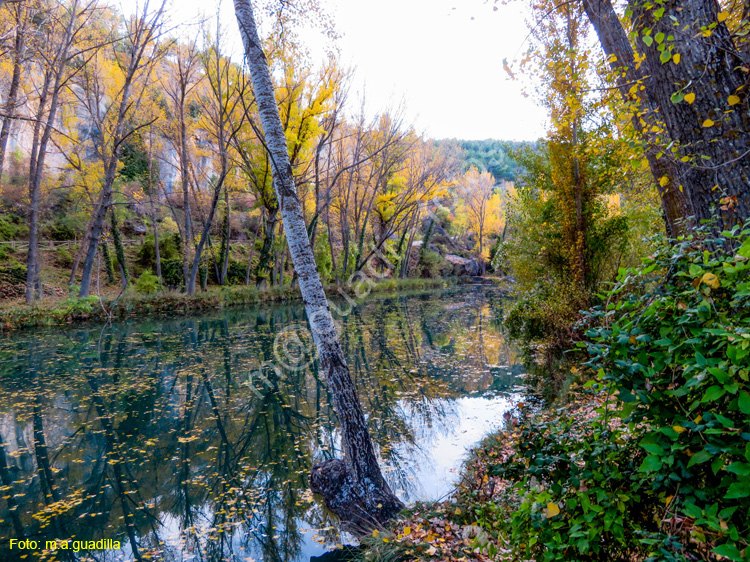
pixel 491 155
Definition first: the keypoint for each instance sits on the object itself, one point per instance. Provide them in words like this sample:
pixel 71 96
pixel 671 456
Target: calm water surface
pixel 164 436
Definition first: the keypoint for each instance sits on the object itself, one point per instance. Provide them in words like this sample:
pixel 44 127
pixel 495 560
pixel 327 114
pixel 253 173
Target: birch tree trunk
pixel 353 488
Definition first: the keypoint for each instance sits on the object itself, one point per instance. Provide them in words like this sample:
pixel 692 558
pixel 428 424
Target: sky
pixel 441 59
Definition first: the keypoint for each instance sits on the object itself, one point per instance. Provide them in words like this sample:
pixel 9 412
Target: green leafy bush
pixel 13 227
pixel 661 470
pixel 63 257
pixel 147 283
pixel 171 273
pixel 169 249
pixel 676 351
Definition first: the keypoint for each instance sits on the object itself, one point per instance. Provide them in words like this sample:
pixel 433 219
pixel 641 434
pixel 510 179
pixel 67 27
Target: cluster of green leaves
pixel 576 492
pixel 677 355
pixel 662 470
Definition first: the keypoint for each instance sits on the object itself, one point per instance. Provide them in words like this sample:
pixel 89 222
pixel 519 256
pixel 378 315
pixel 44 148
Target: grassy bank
pixel 61 311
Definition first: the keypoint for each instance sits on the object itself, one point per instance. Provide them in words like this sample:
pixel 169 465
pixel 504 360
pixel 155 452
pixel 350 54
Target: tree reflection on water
pixel 149 433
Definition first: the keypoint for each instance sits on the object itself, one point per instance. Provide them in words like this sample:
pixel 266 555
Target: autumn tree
pixel 139 55
pixel 56 48
pixel 476 190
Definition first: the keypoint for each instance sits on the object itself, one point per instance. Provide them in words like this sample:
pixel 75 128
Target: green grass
pixel 51 312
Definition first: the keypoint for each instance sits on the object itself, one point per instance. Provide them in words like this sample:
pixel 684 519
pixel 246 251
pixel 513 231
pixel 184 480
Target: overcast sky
pixel 442 58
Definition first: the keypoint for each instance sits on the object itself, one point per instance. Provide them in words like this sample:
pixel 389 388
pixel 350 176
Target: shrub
pixel 432 264
pixel 236 272
pixel 13 227
pixel 147 283
pixel 661 470
pixel 63 227
pixel 674 345
pixel 169 249
pixel 63 257
pixel 171 273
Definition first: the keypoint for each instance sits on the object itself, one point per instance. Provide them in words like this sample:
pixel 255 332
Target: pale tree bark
pixel 46 115
pixel 179 88
pixel 353 488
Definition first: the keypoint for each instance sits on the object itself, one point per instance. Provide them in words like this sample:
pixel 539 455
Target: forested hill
pixel 491 155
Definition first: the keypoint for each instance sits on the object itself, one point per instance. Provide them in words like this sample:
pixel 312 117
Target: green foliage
pixel 63 226
pixel 674 346
pixel 545 315
pixel 169 249
pixel 74 307
pixel 13 273
pixel 432 265
pixel 13 227
pixel 236 271
pixel 323 257
pixel 493 156
pixel 63 257
pixel 135 164
pixel 171 272
pixel 147 283
pixel 661 469
pixel 119 249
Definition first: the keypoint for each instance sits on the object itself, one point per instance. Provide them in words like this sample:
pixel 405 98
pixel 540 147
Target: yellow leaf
pixel 678 428
pixel 664 181
pixel 375 533
pixel 708 123
pixel 676 58
pixel 407 531
pixel 733 100
pixel 668 500
pixel 723 16
pixel 711 280
pixel 552 509
pixel 690 98
pixel 697 420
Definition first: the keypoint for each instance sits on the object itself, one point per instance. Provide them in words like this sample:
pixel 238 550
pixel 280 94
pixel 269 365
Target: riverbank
pixel 61 311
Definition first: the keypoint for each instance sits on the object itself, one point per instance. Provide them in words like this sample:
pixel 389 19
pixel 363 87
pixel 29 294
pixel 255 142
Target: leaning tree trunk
pixel 711 133
pixel 353 488
pixel 645 116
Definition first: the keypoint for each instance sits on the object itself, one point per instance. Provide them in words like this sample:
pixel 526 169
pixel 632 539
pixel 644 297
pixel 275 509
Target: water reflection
pixel 149 433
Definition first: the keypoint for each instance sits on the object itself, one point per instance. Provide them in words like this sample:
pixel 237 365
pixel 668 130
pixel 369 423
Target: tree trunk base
pixel 360 510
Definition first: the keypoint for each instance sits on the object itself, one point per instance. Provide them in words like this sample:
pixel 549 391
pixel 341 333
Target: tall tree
pixel 141 54
pixel 643 109
pixel 694 75
pixel 55 53
pixel 354 487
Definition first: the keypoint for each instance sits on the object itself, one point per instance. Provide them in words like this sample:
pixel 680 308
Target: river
pixel 192 439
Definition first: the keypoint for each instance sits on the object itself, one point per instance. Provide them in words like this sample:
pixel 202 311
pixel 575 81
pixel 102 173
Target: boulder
pixel 464 266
